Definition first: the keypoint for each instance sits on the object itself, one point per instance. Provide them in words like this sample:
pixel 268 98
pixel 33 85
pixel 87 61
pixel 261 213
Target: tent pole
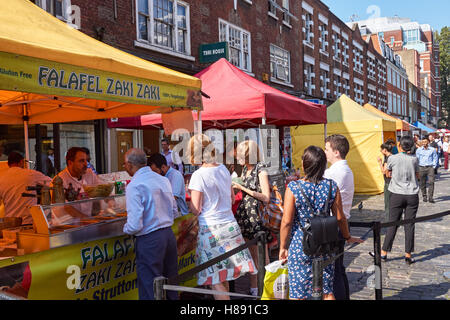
pixel 25 131
pixel 325 131
pixel 263 121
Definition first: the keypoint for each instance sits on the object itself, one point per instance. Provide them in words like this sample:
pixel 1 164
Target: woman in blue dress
pixel 296 211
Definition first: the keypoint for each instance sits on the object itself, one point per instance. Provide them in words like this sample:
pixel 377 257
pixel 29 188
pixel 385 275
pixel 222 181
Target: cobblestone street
pixel 423 279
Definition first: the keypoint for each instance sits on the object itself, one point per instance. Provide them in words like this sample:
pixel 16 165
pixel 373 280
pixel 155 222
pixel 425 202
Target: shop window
pixel 280 68
pixel 165 24
pixel 239 44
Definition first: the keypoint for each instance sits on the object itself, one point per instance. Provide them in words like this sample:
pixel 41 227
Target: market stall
pixel 52 73
pixel 253 105
pixel 423 127
pixel 365 132
pixel 401 125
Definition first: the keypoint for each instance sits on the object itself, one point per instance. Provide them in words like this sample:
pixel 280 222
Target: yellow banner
pixel 96 270
pixel 27 74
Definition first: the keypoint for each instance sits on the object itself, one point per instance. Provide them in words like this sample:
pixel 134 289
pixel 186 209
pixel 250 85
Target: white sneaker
pixel 254 291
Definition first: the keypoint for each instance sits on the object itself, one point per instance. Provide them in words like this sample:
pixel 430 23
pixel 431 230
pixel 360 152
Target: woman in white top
pixel 211 200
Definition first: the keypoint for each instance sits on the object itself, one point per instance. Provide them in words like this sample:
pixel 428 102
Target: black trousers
pixel 341 290
pixel 400 203
pixel 424 173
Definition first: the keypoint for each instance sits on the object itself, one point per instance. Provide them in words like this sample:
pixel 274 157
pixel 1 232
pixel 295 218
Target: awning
pixel 50 72
pixel 401 125
pixel 421 126
pixel 238 100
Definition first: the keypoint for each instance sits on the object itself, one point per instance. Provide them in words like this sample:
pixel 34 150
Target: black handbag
pixel 321 233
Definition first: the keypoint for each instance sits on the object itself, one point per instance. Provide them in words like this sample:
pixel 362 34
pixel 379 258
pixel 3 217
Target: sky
pixel 432 12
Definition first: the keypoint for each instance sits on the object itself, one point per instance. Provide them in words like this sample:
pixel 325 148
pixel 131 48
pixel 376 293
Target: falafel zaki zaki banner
pixel 96 270
pixel 27 74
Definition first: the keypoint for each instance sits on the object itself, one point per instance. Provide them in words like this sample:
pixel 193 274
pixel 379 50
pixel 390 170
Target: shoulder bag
pixel 320 234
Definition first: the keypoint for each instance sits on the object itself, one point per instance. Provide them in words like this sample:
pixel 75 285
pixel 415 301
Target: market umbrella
pixel 51 73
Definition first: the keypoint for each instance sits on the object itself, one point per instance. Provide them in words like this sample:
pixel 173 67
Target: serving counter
pixel 66 255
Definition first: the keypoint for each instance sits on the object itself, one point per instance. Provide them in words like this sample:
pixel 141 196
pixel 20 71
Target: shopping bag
pixel 272 213
pixel 276 285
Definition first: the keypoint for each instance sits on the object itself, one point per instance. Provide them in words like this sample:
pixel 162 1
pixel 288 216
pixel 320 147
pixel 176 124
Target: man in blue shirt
pixel 428 162
pixel 158 164
pixel 150 212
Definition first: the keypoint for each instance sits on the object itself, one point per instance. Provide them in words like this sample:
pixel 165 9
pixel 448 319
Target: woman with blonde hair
pixel 211 200
pixel 255 189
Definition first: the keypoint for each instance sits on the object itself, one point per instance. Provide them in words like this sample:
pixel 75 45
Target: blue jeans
pixel 156 255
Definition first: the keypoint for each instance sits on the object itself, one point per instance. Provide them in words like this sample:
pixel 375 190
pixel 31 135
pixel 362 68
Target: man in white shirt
pixel 336 149
pixel 78 174
pixel 13 183
pixel 151 208
pixel 172 159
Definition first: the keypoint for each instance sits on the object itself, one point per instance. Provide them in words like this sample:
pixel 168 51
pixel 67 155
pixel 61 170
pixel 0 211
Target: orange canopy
pixel 400 124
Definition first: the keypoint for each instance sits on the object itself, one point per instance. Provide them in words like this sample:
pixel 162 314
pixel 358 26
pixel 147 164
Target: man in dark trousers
pixel 151 209
pixel 336 150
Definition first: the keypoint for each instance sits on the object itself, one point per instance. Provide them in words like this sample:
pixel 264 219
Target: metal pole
pixel 158 288
pixel 317 289
pixel 261 260
pixel 377 262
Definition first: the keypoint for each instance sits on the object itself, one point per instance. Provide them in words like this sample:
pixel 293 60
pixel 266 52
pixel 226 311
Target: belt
pixel 426 166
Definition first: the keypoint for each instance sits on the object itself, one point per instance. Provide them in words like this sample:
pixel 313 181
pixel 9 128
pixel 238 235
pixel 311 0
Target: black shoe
pixel 425 199
pixel 431 201
pixel 383 258
pixel 409 261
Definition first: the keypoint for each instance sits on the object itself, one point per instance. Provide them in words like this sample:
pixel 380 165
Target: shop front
pixel 56 87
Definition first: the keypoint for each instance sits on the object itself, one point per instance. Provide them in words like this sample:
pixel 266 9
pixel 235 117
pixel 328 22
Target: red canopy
pixel 238 100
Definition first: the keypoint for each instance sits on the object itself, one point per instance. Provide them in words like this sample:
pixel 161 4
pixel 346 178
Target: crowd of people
pixel 155 196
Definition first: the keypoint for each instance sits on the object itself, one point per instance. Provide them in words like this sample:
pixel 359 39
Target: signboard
pixel 95 270
pixel 211 52
pixel 317 101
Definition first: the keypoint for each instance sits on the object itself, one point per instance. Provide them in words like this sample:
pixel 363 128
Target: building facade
pixel 299 47
pixel 403 34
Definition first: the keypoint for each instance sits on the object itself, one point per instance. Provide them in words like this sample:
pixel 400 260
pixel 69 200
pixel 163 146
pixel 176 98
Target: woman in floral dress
pixel 296 211
pixel 255 194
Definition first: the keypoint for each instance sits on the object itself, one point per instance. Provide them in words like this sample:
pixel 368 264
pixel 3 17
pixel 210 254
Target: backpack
pixel 320 234
pixel 272 213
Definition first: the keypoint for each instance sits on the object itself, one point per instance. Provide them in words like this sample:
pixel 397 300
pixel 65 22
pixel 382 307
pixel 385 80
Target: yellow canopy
pixel 50 72
pixel 401 125
pixel 365 132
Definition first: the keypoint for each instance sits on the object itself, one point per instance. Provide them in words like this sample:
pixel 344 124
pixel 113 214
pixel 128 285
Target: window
pixel 336 51
pixel 323 37
pixel 309 27
pixel 324 83
pixel 286 17
pixel 345 52
pixel 390 101
pixel 411 36
pixel 239 44
pixel 58 8
pixel 164 23
pixel 280 68
pixel 272 9
pixel 309 75
pixel 347 86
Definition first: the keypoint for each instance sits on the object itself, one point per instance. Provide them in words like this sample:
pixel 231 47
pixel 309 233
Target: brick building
pixel 299 47
pixel 402 33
